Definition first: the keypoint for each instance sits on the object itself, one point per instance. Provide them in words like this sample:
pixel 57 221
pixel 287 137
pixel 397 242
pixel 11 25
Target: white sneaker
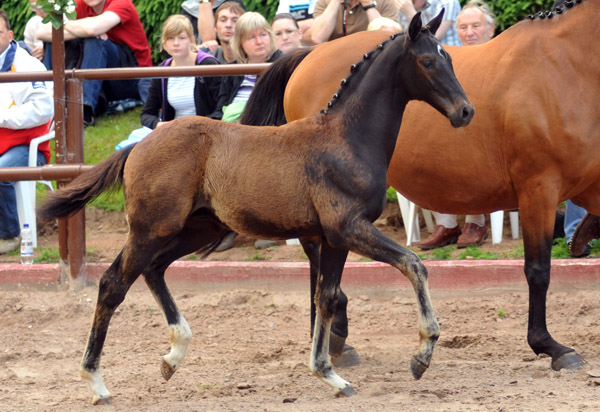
pixel 8 245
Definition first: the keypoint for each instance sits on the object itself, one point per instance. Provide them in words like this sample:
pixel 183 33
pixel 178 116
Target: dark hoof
pixel 570 361
pixel 346 392
pixel 417 368
pixel 166 370
pixel 103 401
pixel 349 357
pixel 336 344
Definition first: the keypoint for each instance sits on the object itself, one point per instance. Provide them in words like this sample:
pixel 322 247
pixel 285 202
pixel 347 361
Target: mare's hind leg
pixel 326 294
pixel 339 326
pixel 198 232
pixel 362 237
pixel 113 287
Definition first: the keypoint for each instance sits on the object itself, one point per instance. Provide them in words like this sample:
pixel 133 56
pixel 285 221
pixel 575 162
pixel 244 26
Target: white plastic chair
pixel 408 210
pixel 26 189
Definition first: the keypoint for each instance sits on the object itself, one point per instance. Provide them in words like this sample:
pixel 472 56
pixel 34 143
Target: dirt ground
pixel 251 350
pixel 251 345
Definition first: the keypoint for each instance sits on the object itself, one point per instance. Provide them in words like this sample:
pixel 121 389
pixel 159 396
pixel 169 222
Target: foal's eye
pixel 427 63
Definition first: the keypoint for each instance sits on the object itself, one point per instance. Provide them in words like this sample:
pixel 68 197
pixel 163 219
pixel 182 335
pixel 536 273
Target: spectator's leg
pixel 47 56
pixel 573 215
pixel 97 54
pixel 9 219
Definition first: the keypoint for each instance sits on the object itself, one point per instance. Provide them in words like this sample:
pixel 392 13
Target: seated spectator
pixel 287 32
pixel 253 42
pixel 111 35
pixel 447 32
pixel 206 22
pixel 226 17
pixel 35 46
pixel 26 109
pixel 475 25
pixel 302 11
pixel 175 97
pixel 333 20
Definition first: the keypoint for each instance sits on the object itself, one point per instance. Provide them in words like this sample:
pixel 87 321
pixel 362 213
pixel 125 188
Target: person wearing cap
pixel 226 17
pixel 337 18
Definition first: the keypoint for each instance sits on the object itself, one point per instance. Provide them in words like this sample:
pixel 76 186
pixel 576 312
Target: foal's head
pixel 431 74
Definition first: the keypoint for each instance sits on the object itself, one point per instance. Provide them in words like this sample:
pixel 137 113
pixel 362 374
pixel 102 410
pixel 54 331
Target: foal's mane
pixel 558 7
pixel 359 68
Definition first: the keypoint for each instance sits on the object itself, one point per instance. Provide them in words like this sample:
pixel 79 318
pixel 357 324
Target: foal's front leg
pixel 326 295
pixel 364 238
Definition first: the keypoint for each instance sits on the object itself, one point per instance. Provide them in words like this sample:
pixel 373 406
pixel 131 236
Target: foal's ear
pixel 434 24
pixel 414 28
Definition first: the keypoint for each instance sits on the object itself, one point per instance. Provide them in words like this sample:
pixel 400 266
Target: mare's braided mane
pixel 559 8
pixel 355 68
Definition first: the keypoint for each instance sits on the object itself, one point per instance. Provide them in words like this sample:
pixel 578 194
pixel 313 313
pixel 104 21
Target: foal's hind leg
pixel 113 287
pixel 326 294
pixel 197 233
pixel 339 326
pixel 364 238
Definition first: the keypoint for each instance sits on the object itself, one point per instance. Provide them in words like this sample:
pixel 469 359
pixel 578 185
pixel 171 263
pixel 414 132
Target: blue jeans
pixel 9 219
pixel 101 54
pixel 573 216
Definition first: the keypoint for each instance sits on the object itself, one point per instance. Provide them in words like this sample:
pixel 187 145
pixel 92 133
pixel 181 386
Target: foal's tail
pixel 265 106
pixel 86 187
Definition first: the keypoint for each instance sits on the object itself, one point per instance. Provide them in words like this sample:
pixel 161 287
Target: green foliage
pixel 55 9
pixel 444 253
pixel 560 249
pixel 509 12
pixel 392 196
pixel 475 252
pixel 501 313
pixel 265 7
pixel 46 255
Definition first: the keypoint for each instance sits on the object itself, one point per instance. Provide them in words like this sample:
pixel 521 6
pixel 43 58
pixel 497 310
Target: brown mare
pixel 191 182
pixel 533 143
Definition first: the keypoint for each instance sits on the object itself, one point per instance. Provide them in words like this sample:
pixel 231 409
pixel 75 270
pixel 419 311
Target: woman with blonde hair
pixel 252 42
pixel 175 97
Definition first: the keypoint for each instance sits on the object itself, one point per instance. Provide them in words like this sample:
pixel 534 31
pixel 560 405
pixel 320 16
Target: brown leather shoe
pixel 472 235
pixel 440 237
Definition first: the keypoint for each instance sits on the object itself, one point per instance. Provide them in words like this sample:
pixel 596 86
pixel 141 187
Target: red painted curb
pixel 463 274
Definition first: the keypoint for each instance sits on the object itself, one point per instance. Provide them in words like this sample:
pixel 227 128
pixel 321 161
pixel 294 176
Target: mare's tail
pixel 86 187
pixel 265 106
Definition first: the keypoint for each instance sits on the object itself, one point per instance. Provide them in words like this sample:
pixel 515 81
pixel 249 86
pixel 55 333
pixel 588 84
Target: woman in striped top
pixel 175 97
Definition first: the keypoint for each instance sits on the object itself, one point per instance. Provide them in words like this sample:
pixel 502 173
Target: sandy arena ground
pixel 251 350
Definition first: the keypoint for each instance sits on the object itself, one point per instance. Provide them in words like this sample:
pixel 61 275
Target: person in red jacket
pixel 26 109
pixel 112 36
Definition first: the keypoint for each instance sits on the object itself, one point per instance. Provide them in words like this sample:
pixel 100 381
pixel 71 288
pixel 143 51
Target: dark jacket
pixel 229 88
pixel 157 107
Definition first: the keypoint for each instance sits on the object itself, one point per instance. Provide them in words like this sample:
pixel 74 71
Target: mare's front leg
pixel 362 237
pixel 339 326
pixel 538 248
pixel 326 294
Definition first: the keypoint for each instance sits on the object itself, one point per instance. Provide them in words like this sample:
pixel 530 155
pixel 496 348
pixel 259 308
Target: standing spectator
pixel 172 98
pixel 302 10
pixel 475 25
pixel 288 33
pixel 447 32
pixel 226 17
pixel 26 109
pixel 112 36
pixel 335 18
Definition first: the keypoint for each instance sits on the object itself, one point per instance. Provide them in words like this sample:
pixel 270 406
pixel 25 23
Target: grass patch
pixel 255 257
pixel 475 252
pixel 47 255
pixel 560 249
pixel 443 253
